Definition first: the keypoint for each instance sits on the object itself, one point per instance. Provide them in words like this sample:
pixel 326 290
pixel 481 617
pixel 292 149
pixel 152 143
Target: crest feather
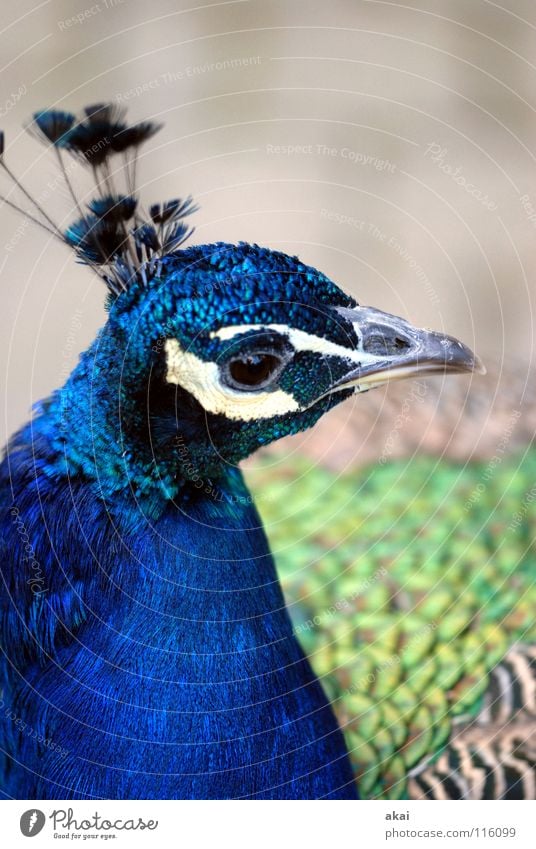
pixel 110 235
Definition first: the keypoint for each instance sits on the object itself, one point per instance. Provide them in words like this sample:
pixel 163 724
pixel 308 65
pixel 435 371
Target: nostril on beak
pixel 385 342
pixel 393 349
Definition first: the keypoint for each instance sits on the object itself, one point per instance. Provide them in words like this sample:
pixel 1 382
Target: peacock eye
pixel 253 371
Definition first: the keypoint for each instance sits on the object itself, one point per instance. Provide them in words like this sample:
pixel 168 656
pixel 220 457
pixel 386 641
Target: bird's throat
pixel 175 672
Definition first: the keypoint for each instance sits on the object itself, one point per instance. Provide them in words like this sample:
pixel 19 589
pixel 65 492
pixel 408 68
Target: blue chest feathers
pixel 158 661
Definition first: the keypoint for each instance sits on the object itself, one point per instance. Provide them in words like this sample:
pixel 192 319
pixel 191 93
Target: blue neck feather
pixel 158 658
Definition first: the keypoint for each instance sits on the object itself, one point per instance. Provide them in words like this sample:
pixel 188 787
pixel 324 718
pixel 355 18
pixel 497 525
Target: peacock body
pixel 147 648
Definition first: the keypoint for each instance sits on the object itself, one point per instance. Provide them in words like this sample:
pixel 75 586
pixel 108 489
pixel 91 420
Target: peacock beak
pixel 390 348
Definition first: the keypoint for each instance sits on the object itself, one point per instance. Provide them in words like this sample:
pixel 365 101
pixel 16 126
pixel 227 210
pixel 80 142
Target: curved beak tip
pixel 459 358
pixel 393 349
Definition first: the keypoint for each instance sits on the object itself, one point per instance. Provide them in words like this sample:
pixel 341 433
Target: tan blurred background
pixel 391 144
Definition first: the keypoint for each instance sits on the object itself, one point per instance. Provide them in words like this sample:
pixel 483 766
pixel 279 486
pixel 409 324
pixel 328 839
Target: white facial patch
pixel 202 380
pixel 300 341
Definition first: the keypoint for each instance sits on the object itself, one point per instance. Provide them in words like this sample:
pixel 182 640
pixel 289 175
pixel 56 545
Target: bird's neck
pixel 183 646
pixel 199 632
pixel 201 557
pixel 97 427
pixel 206 568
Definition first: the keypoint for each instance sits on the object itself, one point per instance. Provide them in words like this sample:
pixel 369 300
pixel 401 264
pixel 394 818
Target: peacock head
pixel 212 351
pixel 234 346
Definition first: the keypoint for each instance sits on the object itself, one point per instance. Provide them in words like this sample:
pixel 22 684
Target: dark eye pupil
pixel 254 369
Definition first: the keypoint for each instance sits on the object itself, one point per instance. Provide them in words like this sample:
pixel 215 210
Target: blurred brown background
pixel 390 144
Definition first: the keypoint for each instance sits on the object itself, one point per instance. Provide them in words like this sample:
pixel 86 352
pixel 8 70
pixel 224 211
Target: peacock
pixel 148 650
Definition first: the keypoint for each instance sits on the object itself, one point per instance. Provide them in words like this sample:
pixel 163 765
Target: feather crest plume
pixel 111 234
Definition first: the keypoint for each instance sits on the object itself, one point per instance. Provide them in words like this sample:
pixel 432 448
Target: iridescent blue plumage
pixel 159 665
pixel 146 645
pixel 157 651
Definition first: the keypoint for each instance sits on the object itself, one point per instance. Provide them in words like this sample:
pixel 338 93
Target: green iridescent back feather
pixel 407 583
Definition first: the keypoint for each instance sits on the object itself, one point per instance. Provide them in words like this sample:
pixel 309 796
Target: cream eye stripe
pixel 202 379
pixel 300 341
